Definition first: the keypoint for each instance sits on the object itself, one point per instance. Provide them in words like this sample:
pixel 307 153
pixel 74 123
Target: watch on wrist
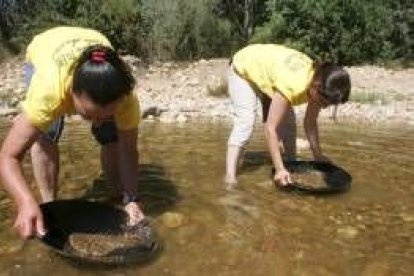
pixel 127 198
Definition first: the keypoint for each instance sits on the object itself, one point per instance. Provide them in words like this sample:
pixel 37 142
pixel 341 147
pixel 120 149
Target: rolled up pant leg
pixel 244 101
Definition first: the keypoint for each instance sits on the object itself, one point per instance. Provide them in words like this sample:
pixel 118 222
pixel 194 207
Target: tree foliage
pixel 347 31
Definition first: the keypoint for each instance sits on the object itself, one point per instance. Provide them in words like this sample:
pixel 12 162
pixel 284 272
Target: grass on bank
pixel 3 53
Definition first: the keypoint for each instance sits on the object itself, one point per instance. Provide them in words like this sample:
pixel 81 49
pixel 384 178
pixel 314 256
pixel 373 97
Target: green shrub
pixel 351 32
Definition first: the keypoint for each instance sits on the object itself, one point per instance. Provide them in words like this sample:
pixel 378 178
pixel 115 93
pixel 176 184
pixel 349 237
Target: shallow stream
pixel 253 229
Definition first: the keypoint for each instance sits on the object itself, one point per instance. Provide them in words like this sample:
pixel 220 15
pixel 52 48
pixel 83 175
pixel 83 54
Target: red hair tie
pixel 98 56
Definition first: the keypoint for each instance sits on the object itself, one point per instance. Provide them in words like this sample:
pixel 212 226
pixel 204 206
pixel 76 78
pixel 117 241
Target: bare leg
pixel 287 134
pixel 109 162
pixel 240 160
pixel 45 160
pixel 232 160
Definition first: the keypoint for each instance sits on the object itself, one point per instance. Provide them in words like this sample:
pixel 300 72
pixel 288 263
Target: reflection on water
pixel 253 229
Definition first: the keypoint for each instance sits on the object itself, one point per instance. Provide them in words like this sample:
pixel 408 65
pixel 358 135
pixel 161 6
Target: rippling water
pixel 254 229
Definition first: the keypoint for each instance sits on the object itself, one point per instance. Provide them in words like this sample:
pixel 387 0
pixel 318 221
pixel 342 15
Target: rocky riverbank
pixel 178 92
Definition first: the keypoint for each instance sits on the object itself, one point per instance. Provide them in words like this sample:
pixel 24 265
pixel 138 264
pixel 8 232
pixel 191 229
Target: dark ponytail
pixel 102 75
pixel 335 83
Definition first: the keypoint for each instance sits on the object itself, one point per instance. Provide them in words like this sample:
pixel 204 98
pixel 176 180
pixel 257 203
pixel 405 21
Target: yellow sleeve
pixel 41 102
pixel 127 115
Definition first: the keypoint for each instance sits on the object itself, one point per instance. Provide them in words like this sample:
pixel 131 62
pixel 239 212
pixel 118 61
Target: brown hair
pixel 335 83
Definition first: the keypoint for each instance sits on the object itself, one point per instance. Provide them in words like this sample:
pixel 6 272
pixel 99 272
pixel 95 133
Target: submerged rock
pixel 348 232
pixel 173 219
pixel 407 217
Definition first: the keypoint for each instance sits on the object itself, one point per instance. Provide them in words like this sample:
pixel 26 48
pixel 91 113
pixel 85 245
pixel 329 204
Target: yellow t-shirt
pixel 273 68
pixel 53 54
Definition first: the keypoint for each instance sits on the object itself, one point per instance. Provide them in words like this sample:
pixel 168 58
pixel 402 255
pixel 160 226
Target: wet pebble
pixel 173 219
pixel 407 217
pixel 299 255
pixel 295 230
pixel 348 232
pixel 265 184
pixel 356 143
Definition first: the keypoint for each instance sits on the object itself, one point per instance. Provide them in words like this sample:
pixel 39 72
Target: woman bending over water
pixel 280 78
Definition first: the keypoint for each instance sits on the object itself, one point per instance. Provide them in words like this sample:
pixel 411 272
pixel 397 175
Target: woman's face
pixel 91 111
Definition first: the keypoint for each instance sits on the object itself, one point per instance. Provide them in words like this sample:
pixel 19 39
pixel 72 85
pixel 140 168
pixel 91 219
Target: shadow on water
pixel 253 160
pixel 253 229
pixel 156 192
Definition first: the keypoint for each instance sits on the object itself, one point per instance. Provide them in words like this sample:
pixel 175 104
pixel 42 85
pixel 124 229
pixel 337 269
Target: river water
pixel 253 229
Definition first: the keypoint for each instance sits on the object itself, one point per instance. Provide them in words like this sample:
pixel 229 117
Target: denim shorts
pixel 105 133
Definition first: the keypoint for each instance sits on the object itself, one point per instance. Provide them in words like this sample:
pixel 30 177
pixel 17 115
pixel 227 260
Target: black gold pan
pixel 66 217
pixel 337 180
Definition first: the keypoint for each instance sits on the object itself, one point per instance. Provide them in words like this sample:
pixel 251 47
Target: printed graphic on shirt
pixel 69 50
pixel 295 62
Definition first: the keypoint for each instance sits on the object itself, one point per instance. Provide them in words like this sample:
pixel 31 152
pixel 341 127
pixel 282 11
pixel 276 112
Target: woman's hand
pixel 29 221
pixel 134 212
pixel 283 177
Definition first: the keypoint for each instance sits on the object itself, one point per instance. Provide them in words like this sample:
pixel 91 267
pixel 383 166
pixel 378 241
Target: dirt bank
pixel 177 92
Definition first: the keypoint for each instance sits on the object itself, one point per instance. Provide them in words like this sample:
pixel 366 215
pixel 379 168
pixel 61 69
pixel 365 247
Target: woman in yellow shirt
pixel 72 70
pixel 280 78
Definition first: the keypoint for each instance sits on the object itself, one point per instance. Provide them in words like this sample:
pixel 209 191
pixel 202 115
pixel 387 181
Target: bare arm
pixel 19 139
pixel 128 160
pixel 128 168
pixel 311 129
pixel 277 110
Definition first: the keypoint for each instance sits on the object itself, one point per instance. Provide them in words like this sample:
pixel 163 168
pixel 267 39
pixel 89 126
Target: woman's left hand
pixel 134 212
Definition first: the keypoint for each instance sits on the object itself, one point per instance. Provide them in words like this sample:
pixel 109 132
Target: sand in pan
pixel 309 177
pixel 99 245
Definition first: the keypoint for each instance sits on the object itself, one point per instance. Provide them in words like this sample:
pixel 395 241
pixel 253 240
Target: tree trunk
pixel 248 19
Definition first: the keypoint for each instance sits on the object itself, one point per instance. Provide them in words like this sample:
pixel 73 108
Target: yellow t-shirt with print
pixel 53 55
pixel 273 68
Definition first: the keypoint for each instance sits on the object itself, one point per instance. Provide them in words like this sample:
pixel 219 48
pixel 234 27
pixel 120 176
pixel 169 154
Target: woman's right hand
pixel 29 221
pixel 283 177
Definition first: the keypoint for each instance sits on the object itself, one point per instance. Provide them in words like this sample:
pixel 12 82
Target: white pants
pixel 245 103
